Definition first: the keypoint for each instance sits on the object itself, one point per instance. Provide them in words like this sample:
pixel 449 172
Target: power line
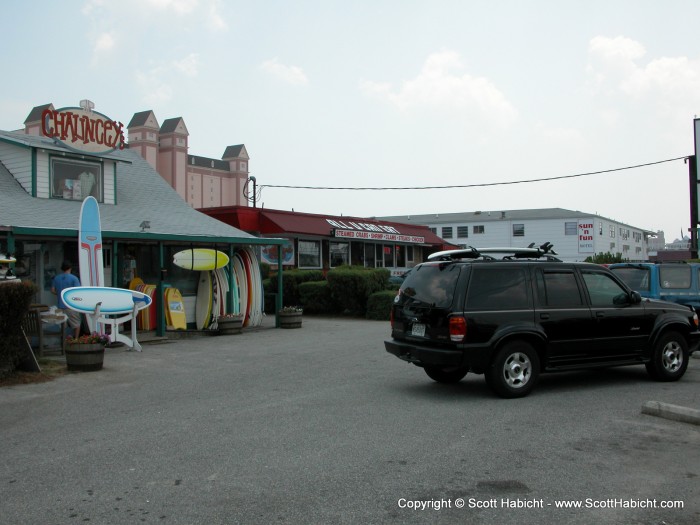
pixel 484 184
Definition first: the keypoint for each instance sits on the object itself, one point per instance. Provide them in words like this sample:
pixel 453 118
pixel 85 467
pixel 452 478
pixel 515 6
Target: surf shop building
pixel 323 242
pixel 62 156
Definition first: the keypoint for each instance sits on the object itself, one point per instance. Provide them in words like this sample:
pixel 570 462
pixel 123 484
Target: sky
pixel 392 93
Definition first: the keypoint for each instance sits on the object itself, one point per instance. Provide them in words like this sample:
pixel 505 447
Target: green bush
pixel 15 299
pixel 351 286
pixel 605 258
pixel 315 297
pixel 291 279
pixel 379 305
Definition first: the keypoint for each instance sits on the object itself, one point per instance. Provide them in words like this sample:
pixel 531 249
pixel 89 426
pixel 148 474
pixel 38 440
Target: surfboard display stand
pixel 114 323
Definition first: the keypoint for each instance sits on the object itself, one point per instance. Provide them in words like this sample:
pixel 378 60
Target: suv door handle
pixel 600 314
pixel 544 316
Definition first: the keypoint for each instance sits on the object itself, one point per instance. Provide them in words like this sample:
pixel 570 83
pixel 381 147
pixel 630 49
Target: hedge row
pixel 15 299
pixel 344 290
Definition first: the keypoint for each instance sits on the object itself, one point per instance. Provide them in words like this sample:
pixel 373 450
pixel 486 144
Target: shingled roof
pixel 142 195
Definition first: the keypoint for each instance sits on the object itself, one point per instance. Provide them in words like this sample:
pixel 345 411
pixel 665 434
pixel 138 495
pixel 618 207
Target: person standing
pixel 62 281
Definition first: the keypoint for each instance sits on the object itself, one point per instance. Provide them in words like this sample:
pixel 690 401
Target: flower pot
pixel 290 319
pixel 85 357
pixel 229 326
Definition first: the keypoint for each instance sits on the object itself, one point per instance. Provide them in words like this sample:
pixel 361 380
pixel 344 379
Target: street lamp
pixel 246 193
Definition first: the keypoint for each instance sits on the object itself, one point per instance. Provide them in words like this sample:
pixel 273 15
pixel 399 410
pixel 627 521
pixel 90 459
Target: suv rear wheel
pixel 445 375
pixel 514 370
pixel 669 359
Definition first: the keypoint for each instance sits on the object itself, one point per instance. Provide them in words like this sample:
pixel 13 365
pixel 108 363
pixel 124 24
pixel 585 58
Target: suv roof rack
pixel 543 252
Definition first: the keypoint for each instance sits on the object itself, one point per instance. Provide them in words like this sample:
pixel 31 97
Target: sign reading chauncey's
pixel 375 232
pixel 83 129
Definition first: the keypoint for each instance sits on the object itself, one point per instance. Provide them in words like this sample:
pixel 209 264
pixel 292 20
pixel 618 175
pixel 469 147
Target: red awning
pixel 347 228
pixel 289 223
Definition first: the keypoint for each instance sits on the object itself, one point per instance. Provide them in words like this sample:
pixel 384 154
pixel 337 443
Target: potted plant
pixel 230 324
pixel 86 352
pixel 290 316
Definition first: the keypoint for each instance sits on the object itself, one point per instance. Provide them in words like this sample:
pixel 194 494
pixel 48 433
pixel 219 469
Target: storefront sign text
pixel 374 236
pixel 83 130
pixel 362 226
pixel 585 237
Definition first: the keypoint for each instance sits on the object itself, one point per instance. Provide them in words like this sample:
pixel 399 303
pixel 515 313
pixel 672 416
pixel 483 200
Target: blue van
pixel 675 282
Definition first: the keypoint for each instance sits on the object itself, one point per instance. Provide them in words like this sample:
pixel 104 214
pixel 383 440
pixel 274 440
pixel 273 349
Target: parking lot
pixel 321 425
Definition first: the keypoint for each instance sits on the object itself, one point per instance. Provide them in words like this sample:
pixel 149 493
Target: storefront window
pixel 379 262
pixel 73 179
pixel 388 250
pixel 309 254
pixel 369 255
pixel 340 253
pixel 400 256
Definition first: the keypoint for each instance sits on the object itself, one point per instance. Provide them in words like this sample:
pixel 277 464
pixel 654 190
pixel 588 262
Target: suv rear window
pixel 497 288
pixel 636 278
pixel 674 276
pixel 432 284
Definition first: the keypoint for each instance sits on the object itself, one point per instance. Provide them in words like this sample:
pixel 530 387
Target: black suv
pixel 511 313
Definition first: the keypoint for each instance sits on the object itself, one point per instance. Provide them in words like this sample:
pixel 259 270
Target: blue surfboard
pixel 90 244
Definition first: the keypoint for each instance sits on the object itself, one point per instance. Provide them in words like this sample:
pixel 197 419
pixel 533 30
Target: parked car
pixel 512 313
pixel 675 282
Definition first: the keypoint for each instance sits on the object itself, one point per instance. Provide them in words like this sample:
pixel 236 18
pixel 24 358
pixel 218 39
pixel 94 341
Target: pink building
pixel 200 181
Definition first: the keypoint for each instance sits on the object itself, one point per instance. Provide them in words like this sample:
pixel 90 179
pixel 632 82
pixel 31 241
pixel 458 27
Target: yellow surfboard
pixel 200 259
pixel 175 309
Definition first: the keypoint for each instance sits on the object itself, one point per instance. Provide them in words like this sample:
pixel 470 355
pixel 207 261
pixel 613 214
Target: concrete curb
pixel 674 412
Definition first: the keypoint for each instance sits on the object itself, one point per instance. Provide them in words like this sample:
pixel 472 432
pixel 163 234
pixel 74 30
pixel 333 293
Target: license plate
pixel 418 329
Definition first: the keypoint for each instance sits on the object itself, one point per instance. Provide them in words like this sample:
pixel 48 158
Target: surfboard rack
pixel 544 252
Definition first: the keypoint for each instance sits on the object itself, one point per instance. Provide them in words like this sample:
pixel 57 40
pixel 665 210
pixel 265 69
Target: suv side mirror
pixel 635 297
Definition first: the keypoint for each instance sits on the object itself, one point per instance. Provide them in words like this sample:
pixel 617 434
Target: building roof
pixel 206 162
pixel 141 195
pixel 495 216
pixel 19 138
pixel 35 113
pixel 140 118
pixel 170 125
pixel 235 151
pixel 281 222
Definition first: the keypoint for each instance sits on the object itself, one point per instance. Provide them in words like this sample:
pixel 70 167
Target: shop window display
pixel 73 179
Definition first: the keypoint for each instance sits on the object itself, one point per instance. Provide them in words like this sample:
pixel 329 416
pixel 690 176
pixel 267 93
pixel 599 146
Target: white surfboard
pixel 239 269
pixel 85 299
pixel 255 281
pixel 204 300
pixel 200 259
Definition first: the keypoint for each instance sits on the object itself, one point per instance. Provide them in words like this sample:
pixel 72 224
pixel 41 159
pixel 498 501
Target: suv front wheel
pixel 669 358
pixel 514 370
pixel 445 375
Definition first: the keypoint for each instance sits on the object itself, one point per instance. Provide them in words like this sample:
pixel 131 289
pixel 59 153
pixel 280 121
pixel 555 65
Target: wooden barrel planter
pixel 230 325
pixel 85 357
pixel 290 319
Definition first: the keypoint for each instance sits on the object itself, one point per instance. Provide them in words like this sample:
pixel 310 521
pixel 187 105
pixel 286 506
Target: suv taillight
pixel 458 329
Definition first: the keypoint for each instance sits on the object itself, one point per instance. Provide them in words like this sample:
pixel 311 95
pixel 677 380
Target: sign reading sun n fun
pixel 585 236
pixel 82 129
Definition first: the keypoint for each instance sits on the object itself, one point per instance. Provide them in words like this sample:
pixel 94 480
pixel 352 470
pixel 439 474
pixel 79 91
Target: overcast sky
pixel 394 93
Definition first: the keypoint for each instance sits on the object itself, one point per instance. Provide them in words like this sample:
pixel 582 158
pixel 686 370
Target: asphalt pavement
pixel 321 425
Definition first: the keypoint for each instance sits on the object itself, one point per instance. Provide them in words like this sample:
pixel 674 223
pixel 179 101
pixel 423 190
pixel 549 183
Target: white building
pixel 574 234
